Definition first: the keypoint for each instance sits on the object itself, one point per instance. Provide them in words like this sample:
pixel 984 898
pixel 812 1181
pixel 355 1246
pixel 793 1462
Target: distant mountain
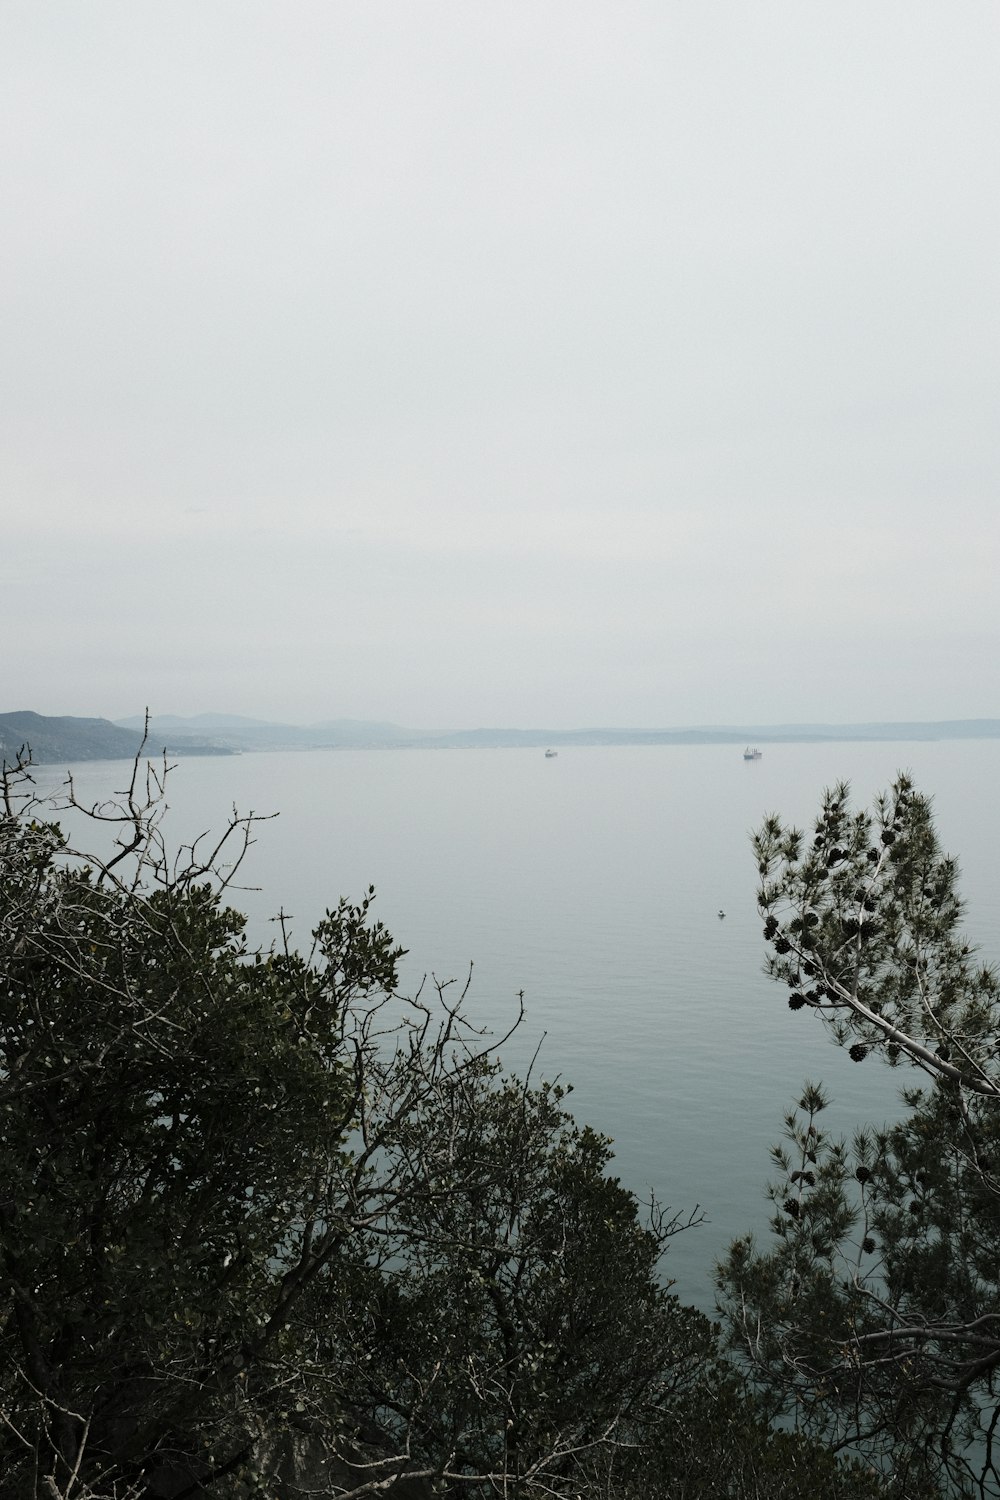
pixel 196 724
pixel 64 739
pixel 69 740
pixel 231 732
pixel 360 732
pixel 724 734
pixel 942 729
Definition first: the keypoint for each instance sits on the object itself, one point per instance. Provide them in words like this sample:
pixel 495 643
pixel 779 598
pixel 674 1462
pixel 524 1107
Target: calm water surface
pixel 592 882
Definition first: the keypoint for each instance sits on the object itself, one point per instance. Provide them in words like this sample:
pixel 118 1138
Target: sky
pixel 470 362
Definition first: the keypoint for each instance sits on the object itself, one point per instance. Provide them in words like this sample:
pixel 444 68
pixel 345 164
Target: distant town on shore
pixel 67 739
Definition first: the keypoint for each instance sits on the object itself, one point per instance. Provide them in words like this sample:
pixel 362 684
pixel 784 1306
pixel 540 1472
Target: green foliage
pixel 515 1332
pixel 873 1317
pixel 863 924
pixel 720 1446
pixel 268 1228
pixel 169 1104
pixel 513 1321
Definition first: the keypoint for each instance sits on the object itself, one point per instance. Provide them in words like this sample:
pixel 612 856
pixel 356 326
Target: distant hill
pixel 196 724
pixel 229 731
pixel 69 740
pixel 724 734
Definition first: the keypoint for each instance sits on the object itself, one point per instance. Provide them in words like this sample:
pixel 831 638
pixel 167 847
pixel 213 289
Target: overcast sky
pixel 473 362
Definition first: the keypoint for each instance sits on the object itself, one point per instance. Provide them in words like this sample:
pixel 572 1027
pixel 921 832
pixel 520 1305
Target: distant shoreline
pixel 67 739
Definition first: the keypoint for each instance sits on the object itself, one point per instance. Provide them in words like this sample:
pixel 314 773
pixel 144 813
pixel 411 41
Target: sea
pixel 591 883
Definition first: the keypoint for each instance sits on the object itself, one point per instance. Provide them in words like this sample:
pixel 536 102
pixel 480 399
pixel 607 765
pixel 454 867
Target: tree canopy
pixel 269 1227
pixel 873 1320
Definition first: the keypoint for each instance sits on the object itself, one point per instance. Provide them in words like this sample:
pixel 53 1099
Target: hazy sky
pixel 467 362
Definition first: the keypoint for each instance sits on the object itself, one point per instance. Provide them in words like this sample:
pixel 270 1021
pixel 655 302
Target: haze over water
pixel 592 882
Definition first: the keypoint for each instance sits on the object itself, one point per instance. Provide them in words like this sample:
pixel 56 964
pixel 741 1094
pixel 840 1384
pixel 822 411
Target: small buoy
pixel 721 914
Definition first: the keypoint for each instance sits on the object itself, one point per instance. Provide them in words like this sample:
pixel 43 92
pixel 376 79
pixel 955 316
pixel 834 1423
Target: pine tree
pixel 874 1318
